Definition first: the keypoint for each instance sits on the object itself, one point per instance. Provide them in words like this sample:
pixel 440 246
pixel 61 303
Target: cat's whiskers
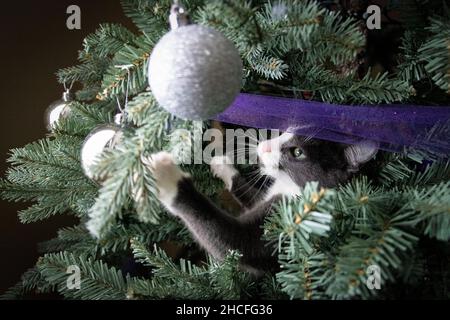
pixel 252 137
pixel 311 136
pixel 260 188
pixel 250 151
pixel 250 183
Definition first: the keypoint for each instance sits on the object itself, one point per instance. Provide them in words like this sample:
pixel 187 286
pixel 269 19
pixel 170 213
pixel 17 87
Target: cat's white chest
pixel 283 186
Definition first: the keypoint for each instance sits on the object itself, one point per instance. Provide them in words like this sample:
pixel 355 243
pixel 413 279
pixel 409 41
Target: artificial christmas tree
pixel 391 222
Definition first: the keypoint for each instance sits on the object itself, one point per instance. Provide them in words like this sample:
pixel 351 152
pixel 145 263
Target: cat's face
pixel 295 160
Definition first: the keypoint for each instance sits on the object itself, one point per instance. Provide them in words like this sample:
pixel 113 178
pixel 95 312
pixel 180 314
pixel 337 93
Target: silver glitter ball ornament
pixel 195 72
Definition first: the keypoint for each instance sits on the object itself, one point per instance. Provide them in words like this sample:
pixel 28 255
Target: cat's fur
pixel 217 231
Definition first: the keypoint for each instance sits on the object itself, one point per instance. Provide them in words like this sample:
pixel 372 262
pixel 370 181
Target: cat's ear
pixel 360 153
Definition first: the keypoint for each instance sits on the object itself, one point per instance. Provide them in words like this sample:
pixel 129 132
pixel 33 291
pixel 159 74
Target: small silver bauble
pixel 195 72
pixel 57 111
pixel 101 138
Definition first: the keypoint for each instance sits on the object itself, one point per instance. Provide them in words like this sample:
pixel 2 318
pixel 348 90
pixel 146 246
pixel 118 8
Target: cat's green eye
pixel 297 153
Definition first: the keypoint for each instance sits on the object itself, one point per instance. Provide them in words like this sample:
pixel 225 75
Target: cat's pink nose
pixel 266 147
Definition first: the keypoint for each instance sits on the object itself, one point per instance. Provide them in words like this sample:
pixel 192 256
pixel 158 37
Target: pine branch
pixel 229 282
pixel 432 204
pixel 128 69
pixel 31 280
pixel 216 281
pixel 47 172
pixel 148 15
pixel 83 118
pixel 301 277
pixel 106 41
pixel 271 289
pixel 412 67
pixel 182 282
pixel 385 248
pixel 127 175
pixel 296 221
pixel 346 89
pixel 96 56
pixel 361 203
pixel 111 200
pixel 396 170
pixel 98 281
pixel 79 241
pixel 436 53
pixel 143 109
pixel 433 173
pixel 269 67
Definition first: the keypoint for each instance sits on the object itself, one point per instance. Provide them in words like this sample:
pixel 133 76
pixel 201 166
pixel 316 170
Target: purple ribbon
pixel 395 127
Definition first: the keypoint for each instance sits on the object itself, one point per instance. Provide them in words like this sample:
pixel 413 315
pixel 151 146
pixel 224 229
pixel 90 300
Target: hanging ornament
pixel 100 139
pixel 58 110
pixel 194 71
pixel 104 137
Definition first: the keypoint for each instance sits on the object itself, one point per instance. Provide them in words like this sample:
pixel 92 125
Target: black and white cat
pixel 290 161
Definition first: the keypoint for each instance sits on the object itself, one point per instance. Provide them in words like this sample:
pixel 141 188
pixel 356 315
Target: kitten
pixel 289 161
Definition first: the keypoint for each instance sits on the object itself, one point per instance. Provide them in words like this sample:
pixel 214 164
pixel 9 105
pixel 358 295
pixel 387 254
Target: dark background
pixel 35 43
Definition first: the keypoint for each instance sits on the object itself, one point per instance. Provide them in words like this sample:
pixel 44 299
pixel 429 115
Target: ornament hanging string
pixel 70 87
pixel 395 127
pixel 67 96
pixel 120 117
pixel 60 108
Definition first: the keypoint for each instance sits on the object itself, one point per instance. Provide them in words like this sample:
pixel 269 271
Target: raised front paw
pixel 167 176
pixel 222 169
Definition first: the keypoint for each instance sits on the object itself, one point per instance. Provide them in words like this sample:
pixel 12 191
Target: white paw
pixel 167 175
pixel 221 169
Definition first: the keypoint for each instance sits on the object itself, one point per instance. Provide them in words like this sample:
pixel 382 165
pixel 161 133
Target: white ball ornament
pixel 194 72
pixel 100 139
